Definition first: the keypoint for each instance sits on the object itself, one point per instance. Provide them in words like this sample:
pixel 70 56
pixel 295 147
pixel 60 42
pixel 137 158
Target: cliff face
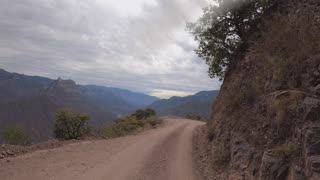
pixel 266 119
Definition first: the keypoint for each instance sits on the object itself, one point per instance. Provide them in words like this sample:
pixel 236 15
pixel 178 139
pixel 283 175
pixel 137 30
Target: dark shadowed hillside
pixel 31 102
pixel 197 104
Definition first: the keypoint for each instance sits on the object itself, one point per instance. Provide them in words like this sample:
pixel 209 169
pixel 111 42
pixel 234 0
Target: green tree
pixel 16 136
pixel 143 114
pixel 70 125
pixel 150 112
pixel 223 30
pixel 140 114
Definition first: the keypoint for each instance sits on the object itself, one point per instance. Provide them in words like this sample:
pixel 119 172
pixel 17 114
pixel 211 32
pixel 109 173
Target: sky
pixel 140 45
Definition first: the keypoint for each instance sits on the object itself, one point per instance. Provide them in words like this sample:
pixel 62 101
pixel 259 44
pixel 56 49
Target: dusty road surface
pixel 164 153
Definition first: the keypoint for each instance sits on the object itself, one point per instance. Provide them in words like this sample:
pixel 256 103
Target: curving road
pixel 164 153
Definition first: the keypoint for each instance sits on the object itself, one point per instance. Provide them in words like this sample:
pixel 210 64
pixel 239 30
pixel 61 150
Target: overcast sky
pixel 139 45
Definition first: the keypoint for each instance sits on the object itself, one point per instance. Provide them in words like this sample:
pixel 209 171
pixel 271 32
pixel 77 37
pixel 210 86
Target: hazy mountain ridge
pixel 197 104
pixel 32 101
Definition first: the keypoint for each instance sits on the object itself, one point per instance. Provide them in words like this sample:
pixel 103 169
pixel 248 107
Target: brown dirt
pixel 162 153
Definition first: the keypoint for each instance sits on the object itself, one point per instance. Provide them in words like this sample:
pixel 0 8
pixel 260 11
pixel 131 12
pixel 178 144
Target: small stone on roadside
pixel 10 153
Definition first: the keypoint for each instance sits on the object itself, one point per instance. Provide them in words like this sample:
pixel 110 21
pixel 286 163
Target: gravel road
pixel 164 153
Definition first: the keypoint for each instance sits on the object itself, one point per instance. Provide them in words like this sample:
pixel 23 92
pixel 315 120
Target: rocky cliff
pixel 266 122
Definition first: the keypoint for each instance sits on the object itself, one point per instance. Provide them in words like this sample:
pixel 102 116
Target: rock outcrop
pixel 266 120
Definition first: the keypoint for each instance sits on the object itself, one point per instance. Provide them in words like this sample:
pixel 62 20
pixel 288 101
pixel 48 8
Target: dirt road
pixel 164 153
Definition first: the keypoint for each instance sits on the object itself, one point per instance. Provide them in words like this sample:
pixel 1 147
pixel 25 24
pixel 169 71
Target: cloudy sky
pixel 139 45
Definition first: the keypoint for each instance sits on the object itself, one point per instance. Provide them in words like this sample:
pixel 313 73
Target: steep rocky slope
pixel 266 122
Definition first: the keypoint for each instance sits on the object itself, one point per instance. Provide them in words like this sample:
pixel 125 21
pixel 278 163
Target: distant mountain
pixel 197 104
pixel 31 102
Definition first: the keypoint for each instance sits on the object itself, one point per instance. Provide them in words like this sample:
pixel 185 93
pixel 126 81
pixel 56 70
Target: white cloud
pixel 135 44
pixel 169 93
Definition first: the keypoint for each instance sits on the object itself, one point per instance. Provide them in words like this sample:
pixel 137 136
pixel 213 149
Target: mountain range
pixel 31 102
pixel 198 104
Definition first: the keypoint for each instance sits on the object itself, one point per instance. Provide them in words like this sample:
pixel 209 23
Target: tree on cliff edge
pixel 223 29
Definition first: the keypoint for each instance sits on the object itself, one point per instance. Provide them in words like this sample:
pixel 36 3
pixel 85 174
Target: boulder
pixel 240 152
pixel 313 167
pixel 305 80
pixel 313 114
pixel 273 167
pixel 311 101
pixel 311 151
pixel 316 73
pixel 317 89
pixel 277 85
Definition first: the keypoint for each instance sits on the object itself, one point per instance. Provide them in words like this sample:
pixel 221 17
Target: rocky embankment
pixel 266 120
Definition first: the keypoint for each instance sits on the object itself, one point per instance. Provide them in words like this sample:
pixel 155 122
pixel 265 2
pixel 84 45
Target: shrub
pixel 16 136
pixel 153 121
pixel 194 117
pixel 128 125
pixel 150 112
pixel 286 150
pixel 222 153
pixel 70 125
pixel 143 114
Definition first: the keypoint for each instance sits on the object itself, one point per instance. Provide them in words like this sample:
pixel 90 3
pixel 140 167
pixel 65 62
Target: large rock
pixel 317 89
pixel 273 167
pixel 277 85
pixel 311 101
pixel 313 114
pixel 311 151
pixel 316 73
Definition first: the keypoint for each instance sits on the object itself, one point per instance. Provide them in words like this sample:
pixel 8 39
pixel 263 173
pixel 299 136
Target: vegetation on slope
pixel 267 112
pixel 16 136
pixel 71 125
pixel 223 31
pixel 130 124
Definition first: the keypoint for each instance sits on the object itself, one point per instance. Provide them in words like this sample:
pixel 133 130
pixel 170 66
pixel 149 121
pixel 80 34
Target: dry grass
pixel 288 150
pixel 128 125
pixel 222 153
pixel 286 46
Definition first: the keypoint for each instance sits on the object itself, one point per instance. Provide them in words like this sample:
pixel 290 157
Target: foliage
pixel 70 125
pixel 286 150
pixel 16 136
pixel 223 30
pixel 129 124
pixel 194 117
pixel 222 153
pixel 142 114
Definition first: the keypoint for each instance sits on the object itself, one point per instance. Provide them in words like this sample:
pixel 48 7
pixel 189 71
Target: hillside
pixel 31 102
pixel 266 117
pixel 197 104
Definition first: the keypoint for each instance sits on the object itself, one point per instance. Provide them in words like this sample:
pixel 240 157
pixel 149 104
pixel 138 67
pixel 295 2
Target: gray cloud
pixel 140 45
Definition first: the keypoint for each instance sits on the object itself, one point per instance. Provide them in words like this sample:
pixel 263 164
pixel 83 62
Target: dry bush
pixel 16 136
pixel 71 125
pixel 128 125
pixel 222 153
pixel 287 44
pixel 287 150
